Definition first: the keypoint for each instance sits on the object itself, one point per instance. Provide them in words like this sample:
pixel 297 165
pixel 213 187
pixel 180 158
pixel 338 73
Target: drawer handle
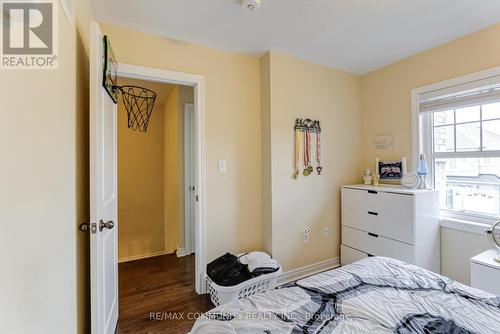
pixel 372 192
pixel 373 235
pixel 373 213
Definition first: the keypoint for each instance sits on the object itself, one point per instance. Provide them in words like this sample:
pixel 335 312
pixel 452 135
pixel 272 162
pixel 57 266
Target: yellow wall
pixel 232 130
pixel 83 17
pixel 386 92
pixel 140 187
pixel 299 89
pixel 457 247
pixel 44 192
pixel 387 107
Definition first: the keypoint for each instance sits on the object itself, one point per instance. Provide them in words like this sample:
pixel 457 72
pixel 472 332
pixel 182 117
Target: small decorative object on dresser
pixel 485 272
pixel 410 181
pixel 390 221
pixel 367 176
pixel 423 171
pixel 390 170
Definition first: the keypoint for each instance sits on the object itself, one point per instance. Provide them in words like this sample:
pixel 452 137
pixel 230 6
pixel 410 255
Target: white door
pixel 189 177
pixel 103 196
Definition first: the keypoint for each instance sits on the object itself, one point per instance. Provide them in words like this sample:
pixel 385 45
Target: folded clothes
pixel 259 262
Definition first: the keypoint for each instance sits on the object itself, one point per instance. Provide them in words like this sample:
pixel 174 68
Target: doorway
pixel 197 155
pixel 156 211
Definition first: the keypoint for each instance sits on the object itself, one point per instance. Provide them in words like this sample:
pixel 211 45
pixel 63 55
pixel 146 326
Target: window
pixel 460 135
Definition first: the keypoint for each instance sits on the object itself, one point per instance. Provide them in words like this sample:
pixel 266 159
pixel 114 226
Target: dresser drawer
pixel 485 278
pixel 386 203
pixel 397 228
pixel 349 255
pixel 376 245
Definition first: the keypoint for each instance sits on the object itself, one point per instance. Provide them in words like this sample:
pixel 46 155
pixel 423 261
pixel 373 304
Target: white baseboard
pixel 142 256
pixel 311 269
pixel 182 252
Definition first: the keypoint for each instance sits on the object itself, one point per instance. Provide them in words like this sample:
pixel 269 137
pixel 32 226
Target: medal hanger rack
pixel 305 130
pixel 308 125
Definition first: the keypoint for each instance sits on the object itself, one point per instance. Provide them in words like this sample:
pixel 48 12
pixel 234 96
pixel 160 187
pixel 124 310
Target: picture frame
pixel 110 67
pixel 391 170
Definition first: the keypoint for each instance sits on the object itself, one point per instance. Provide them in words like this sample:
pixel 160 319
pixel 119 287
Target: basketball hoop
pixel 139 102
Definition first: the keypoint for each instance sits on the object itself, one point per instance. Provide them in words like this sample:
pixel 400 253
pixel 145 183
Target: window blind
pixel 460 96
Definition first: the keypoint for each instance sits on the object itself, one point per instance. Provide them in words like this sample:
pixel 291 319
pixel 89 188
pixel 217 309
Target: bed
pixel 374 295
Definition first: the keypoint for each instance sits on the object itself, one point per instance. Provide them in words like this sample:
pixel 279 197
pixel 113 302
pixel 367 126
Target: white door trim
pixel 198 83
pixel 189 139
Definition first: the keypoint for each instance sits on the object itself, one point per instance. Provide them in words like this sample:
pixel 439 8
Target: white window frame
pixel 422 143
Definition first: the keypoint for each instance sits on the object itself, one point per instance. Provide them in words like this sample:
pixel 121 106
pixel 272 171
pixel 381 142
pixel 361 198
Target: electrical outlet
pixel 326 233
pixel 306 235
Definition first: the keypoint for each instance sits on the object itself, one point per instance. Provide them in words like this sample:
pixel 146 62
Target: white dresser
pixel 391 221
pixel 485 272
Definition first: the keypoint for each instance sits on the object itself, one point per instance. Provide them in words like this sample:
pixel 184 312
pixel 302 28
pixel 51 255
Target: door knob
pixel 109 225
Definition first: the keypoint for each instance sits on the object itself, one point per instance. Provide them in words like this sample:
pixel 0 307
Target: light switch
pixel 222 166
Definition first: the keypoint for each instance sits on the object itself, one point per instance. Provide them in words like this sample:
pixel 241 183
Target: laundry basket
pixel 225 294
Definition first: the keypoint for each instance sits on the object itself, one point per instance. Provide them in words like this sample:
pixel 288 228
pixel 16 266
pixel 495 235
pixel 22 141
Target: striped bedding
pixel 374 295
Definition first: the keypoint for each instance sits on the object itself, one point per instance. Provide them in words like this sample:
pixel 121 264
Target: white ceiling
pixel 354 35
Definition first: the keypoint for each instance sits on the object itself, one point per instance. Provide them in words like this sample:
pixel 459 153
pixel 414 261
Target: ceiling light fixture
pixel 251 5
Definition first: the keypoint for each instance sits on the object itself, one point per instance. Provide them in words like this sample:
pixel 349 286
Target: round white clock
pixel 410 181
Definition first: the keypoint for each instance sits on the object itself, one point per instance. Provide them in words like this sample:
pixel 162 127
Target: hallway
pixel 157 295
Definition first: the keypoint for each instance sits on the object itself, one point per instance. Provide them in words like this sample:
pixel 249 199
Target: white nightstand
pixel 485 272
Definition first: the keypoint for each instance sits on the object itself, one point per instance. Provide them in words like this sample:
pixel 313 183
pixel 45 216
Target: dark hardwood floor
pixel 157 295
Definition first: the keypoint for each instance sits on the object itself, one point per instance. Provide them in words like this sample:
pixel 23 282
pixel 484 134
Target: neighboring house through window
pixel 457 126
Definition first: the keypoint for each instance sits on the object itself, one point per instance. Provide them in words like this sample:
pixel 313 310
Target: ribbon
pixel 319 169
pixel 297 154
pixel 307 154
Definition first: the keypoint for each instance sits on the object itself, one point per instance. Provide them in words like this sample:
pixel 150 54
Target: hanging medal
pixel 308 169
pixel 306 157
pixel 319 169
pixel 297 154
